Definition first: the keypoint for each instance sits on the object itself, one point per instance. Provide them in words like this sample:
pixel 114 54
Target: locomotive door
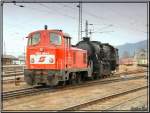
pixel 67 52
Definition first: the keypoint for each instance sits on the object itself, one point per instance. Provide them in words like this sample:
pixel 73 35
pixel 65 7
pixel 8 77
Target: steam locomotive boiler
pixel 102 57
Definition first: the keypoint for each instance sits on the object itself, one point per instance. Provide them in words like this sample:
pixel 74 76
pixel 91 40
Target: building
pixel 141 57
pixel 8 59
pixel 20 60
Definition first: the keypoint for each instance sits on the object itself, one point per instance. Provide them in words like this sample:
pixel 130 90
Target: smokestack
pixel 45 27
pixel 86 38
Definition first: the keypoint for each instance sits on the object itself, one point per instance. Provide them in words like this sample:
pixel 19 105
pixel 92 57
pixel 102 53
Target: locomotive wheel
pixel 61 83
pixel 79 80
pixel 74 82
pixel 73 79
pixel 109 75
pixel 96 77
pixel 29 79
pixel 43 84
pixel 104 76
pixel 101 77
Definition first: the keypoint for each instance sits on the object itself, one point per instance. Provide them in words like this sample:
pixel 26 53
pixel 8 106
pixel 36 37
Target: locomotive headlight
pixel 32 60
pixel 51 60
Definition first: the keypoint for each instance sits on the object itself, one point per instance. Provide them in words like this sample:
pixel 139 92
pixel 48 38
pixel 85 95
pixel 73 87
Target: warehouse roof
pixel 9 57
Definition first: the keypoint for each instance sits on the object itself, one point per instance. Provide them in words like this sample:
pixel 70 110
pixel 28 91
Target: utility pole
pixel 86 28
pixel 90 32
pixel 80 21
pixel 87 32
pixel 4 48
pixel 1 44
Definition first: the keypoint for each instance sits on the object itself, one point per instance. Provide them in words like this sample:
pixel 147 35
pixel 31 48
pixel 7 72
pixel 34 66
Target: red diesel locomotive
pixel 50 59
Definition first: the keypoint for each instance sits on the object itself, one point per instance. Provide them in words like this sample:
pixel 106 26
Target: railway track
pixel 10 77
pixel 39 90
pixel 103 99
pixel 22 92
pixel 20 72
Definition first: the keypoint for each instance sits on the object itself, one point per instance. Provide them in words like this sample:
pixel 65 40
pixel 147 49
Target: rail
pixel 18 75
pixel 31 91
pixel 106 98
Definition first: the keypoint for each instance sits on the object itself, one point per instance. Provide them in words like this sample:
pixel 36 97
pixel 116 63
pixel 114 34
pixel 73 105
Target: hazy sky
pixel 114 23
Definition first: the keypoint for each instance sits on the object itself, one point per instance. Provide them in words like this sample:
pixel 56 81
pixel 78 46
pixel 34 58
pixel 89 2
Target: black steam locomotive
pixel 102 57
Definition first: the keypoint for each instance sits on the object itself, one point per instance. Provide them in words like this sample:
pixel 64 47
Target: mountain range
pixel 131 48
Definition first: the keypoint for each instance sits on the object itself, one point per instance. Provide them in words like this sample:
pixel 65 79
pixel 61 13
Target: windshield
pixel 34 39
pixel 55 38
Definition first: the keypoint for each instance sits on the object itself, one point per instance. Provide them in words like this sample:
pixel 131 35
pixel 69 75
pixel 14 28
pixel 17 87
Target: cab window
pixel 55 39
pixel 34 39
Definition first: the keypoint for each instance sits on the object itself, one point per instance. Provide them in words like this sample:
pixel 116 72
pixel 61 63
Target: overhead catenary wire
pixel 132 23
pixel 60 13
pixel 49 11
pixel 91 14
pixel 104 19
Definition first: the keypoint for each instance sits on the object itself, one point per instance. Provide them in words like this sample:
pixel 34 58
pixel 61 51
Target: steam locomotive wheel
pixel 96 76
